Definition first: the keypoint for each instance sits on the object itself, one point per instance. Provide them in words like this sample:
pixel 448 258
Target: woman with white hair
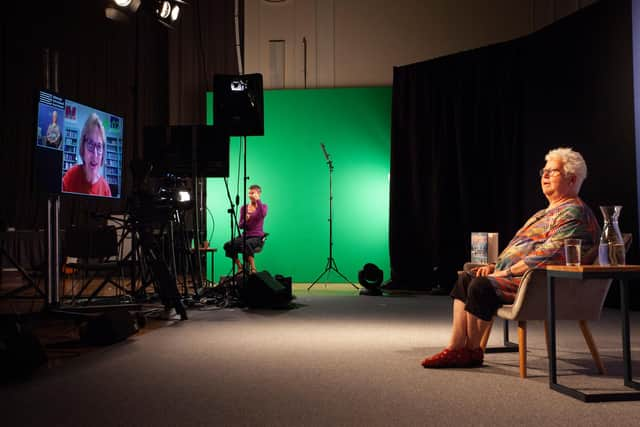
pixel 477 295
pixel 86 178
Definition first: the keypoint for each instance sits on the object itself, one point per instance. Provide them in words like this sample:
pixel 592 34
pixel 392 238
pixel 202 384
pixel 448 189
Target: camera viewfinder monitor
pixel 78 148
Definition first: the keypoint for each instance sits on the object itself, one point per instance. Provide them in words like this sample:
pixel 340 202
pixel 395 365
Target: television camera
pixel 156 212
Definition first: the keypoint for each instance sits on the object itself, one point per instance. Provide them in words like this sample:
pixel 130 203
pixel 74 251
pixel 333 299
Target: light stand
pixel 178 236
pixel 246 210
pixel 238 107
pixel 231 290
pixel 331 262
pixel 198 206
pixel 233 224
pixel 53 250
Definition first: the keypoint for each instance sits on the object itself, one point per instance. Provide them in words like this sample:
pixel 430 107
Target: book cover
pixel 479 247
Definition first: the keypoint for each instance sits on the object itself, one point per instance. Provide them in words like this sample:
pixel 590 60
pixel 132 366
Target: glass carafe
pixel 611 250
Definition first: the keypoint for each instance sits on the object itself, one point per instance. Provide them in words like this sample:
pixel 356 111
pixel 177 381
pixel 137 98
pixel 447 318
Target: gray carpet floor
pixel 333 360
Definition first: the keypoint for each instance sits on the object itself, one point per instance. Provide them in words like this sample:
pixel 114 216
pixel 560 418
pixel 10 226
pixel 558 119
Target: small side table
pixel 621 273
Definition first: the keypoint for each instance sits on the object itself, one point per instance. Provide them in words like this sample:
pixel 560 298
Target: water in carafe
pixel 611 250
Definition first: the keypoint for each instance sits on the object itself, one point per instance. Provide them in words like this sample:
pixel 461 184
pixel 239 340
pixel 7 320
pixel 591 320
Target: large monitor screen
pixel 78 148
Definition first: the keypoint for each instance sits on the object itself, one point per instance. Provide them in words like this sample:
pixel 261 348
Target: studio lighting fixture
pixel 183 196
pixel 175 13
pixel 164 9
pixel 370 278
pixel 173 192
pixel 120 10
pixel 168 11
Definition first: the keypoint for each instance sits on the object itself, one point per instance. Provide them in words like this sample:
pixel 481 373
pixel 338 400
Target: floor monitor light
pixel 370 278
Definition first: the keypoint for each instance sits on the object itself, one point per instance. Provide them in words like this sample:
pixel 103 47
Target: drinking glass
pixel 572 251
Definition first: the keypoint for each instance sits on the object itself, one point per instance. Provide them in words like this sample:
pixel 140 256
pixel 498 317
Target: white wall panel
pixel 358 42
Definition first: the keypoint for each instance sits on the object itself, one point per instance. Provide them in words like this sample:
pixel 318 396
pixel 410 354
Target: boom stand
pixel 331 262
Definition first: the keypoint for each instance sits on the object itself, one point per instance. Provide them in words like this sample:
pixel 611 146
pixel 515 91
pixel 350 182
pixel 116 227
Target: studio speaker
pixel 238 105
pixel 262 290
pixel 287 282
pixel 20 350
pixel 108 328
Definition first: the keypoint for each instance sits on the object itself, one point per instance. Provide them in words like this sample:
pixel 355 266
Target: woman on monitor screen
pixel 54 135
pixel 87 178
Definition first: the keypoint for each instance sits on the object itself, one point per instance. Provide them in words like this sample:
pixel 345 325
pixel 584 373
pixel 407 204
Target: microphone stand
pixel 244 219
pixel 331 262
pixel 234 227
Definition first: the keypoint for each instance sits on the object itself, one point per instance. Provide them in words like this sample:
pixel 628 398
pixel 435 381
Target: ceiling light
pixel 164 9
pixel 175 13
pixel 122 10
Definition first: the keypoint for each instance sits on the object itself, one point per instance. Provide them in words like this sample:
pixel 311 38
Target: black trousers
pixel 236 246
pixel 478 294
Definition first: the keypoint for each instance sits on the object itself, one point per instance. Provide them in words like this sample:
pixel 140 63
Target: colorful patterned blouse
pixel 540 241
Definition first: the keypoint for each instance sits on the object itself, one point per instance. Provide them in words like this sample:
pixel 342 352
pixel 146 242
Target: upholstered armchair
pixel 580 300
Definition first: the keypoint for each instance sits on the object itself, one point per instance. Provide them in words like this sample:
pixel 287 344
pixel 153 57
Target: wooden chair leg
pixel 592 346
pixel 485 336
pixel 522 343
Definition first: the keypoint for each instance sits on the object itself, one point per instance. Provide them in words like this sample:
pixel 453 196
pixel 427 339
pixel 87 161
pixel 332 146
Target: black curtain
pixel 201 46
pixel 470 131
pixel 455 159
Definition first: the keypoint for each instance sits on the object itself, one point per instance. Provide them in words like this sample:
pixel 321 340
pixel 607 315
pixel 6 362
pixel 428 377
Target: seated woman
pixel 252 221
pixel 477 296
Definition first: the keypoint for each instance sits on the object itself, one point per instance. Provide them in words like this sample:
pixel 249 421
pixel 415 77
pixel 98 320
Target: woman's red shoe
pixel 449 358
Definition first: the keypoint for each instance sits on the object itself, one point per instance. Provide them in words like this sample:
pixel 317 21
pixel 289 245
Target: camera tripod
pixel 147 219
pixel 331 262
pixel 163 278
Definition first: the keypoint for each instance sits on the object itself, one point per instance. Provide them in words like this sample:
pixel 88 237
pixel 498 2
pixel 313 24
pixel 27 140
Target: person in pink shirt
pixel 252 222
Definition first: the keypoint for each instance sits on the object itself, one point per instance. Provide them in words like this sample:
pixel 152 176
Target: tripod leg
pixel 344 277
pixel 164 279
pixel 333 266
pixel 105 282
pixel 86 282
pixel 32 283
pixel 326 270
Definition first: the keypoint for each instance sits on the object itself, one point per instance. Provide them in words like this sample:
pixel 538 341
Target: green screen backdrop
pixel 288 163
